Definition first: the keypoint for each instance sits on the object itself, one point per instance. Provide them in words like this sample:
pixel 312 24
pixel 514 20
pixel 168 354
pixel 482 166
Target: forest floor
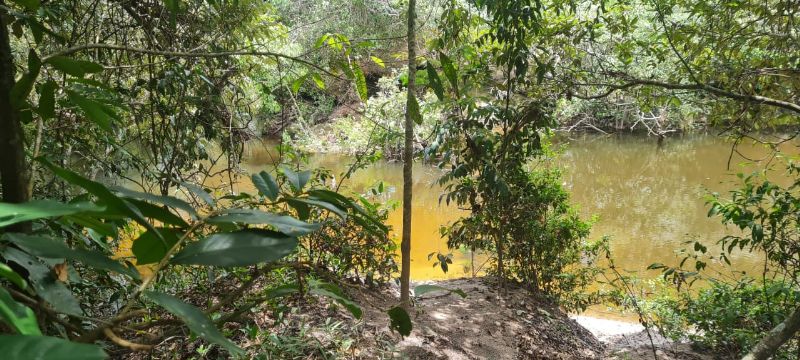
pixel 493 324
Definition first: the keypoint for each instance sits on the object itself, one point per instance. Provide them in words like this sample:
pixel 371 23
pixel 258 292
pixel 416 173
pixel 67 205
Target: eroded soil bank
pixel 513 324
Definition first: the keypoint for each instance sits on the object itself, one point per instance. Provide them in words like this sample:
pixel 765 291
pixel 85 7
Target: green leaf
pixel 332 291
pixel 174 7
pixel 108 229
pixel 285 224
pixel 361 83
pixel 198 322
pixel 170 201
pixel 25 347
pixel 449 71
pixel 399 320
pixel 342 213
pixel 297 83
pixel 413 109
pixel 37 209
pixel 159 213
pixel 30 5
pixel 47 247
pixel 22 87
pixel 101 114
pixel 302 209
pixel 298 180
pixel 283 290
pixel 199 192
pixel 149 248
pixel 266 185
pixel 9 274
pixel 52 291
pixel 378 61
pixel 77 68
pixel 47 100
pixel 318 81
pixel 19 93
pixel 19 316
pixel 435 82
pixel 238 248
pixel 424 289
pixel 99 190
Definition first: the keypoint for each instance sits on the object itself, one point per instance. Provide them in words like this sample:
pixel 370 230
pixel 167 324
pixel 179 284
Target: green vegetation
pixel 126 223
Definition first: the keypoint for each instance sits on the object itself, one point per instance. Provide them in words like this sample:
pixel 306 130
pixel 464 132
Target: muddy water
pixel 648 199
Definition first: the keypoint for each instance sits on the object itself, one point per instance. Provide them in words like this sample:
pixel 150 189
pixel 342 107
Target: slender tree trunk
pixel 13 166
pixel 782 333
pixel 408 162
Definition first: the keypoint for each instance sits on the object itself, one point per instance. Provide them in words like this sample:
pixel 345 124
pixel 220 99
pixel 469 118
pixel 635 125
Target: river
pixel 648 199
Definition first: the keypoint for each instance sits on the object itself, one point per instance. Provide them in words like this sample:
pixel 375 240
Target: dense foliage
pixel 123 126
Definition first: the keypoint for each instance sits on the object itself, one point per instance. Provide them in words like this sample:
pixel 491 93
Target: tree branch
pixel 758 99
pixel 188 54
pixel 775 338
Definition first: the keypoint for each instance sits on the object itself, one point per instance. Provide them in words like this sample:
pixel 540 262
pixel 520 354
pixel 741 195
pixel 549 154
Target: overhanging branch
pixel 758 99
pixel 185 54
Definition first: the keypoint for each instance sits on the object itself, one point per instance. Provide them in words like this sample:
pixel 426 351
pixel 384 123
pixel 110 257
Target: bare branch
pixel 187 54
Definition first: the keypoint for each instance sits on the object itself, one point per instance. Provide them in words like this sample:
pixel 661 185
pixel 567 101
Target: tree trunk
pixel 13 166
pixel 782 333
pixel 408 162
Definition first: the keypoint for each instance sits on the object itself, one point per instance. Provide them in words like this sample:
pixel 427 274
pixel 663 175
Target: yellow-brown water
pixel 648 199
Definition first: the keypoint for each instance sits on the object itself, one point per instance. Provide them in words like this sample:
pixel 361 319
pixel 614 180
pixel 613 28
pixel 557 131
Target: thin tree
pixel 408 160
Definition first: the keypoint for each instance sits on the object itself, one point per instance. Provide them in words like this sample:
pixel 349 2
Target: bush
pixel 728 318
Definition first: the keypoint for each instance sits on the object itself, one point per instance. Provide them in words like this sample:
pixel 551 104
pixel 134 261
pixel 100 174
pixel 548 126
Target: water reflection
pixel 649 199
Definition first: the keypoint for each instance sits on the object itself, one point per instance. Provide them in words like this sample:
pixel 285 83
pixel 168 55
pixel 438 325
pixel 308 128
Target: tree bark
pixel 408 162
pixel 13 166
pixel 779 335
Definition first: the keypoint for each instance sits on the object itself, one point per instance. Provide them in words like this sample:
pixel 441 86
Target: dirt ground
pixel 490 324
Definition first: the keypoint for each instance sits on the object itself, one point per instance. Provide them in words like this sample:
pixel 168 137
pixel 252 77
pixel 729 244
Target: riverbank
pixel 490 323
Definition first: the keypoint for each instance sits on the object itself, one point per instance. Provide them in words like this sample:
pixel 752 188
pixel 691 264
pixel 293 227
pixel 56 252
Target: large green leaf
pixel 47 247
pixel 318 81
pixel 449 71
pixel 22 87
pixel 23 347
pixel 159 213
pixel 342 213
pixel 94 223
pixel 282 290
pixel 19 316
pixel 363 218
pixel 149 248
pixel 99 113
pixel 399 320
pixel 30 5
pixel 298 180
pixel 199 192
pixel 332 291
pixel 99 190
pixel 266 185
pixel 37 209
pixel 238 248
pixel 77 68
pixel 413 109
pixel 170 201
pixel 361 83
pixel 435 82
pixel 42 281
pixel 285 224
pixel 198 322
pixel 9 274
pixel 47 100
